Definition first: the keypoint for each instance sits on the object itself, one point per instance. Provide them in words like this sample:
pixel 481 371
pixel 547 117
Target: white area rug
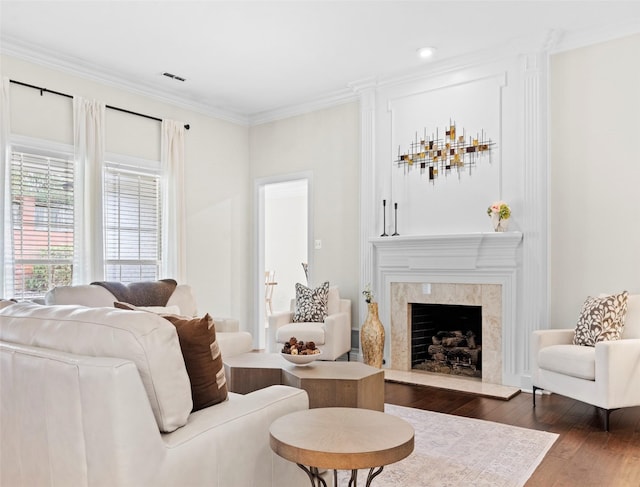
pixel 456 451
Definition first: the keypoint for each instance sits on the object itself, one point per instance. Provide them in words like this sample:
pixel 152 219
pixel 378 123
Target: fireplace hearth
pixel 446 339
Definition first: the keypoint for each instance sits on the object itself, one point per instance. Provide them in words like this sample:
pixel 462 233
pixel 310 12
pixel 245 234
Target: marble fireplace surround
pixel 479 269
pixel 486 295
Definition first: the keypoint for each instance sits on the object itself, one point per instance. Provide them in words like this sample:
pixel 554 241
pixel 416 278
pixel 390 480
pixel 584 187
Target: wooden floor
pixel 583 455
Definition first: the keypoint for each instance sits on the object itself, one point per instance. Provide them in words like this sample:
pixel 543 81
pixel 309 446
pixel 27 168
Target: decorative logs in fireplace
pixel 453 352
pixel 447 339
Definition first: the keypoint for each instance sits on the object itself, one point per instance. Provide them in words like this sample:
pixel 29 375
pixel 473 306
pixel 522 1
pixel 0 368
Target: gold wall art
pixel 437 156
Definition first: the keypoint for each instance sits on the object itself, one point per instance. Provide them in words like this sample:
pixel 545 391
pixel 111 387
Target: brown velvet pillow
pixel 202 359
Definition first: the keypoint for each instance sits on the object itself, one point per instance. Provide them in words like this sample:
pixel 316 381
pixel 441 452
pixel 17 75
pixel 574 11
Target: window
pixel 42 203
pixel 42 193
pixel 133 216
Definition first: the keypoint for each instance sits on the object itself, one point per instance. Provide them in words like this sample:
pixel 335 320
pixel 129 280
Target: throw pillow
pixel 198 343
pixel 311 304
pixel 144 293
pixel 601 319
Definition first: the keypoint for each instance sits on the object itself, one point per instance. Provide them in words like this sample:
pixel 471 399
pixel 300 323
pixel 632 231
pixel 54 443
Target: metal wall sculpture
pixel 437 156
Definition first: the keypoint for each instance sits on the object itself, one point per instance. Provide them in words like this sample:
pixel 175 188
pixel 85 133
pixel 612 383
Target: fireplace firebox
pixel 447 339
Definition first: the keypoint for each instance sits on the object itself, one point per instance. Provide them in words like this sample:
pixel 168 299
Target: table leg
pixel 353 481
pixel 318 481
pixel 314 476
pixel 373 475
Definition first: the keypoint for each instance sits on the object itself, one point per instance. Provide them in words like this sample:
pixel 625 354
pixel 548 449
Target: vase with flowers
pixel 499 212
pixel 372 332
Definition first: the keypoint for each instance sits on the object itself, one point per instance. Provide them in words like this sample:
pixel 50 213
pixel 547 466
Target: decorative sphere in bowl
pixel 301 359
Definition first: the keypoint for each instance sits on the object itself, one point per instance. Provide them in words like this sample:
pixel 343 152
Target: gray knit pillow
pixel 311 304
pixel 601 319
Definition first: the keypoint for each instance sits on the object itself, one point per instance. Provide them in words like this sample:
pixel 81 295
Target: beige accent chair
pixel 606 376
pixel 332 337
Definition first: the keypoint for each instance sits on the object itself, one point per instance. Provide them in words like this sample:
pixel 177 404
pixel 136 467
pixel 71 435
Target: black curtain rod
pixel 45 90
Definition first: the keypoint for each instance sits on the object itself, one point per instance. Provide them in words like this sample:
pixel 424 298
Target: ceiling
pixel 248 58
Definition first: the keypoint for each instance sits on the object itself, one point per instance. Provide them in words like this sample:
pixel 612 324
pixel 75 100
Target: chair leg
pixel 534 395
pixel 607 413
pixel 349 356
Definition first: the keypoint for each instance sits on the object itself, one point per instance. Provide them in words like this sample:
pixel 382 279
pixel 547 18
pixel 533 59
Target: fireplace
pixel 446 339
pixel 476 269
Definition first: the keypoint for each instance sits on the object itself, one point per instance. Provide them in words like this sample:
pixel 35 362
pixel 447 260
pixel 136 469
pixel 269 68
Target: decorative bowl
pixel 300 359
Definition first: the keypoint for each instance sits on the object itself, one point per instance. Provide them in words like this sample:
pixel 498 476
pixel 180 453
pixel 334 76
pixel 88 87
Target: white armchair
pixel 332 337
pixel 606 376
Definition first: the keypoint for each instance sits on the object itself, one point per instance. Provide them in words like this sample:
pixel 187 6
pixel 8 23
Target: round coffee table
pixel 341 439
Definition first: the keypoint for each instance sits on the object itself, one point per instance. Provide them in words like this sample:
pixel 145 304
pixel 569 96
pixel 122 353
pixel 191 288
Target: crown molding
pixel 81 68
pixel 319 103
pixel 586 37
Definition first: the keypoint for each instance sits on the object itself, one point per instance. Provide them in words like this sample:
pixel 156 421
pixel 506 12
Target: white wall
pixel 216 173
pixel 326 144
pixel 476 98
pixel 594 209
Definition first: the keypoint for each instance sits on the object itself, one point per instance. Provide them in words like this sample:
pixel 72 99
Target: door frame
pixel 259 312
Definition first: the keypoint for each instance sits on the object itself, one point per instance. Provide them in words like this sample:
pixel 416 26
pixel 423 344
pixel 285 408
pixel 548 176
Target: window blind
pixel 133 216
pixel 42 221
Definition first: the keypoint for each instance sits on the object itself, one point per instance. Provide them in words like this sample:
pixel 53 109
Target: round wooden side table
pixel 341 439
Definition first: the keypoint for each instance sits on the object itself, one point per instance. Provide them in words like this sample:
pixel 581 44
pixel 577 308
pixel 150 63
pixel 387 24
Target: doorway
pixel 283 244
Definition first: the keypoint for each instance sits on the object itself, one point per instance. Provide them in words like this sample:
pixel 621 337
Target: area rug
pixel 452 451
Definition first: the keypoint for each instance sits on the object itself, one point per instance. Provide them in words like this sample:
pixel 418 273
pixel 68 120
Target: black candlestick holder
pixel 384 219
pixel 395 220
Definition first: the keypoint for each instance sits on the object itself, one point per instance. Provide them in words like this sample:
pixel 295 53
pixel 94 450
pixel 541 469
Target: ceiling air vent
pixel 173 76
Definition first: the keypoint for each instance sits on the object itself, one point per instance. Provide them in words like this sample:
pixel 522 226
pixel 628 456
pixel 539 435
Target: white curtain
pixel 88 124
pixel 6 226
pixel 173 207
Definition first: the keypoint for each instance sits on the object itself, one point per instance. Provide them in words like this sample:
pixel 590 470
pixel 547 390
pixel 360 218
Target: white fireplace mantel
pixel 449 252
pixel 471 258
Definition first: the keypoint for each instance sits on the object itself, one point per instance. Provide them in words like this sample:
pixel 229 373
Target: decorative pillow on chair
pixel 601 319
pixel 311 304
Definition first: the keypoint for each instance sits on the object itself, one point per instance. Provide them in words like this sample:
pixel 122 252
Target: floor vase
pixel 372 337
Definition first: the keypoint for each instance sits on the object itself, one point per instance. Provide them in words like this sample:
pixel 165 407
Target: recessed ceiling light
pixel 426 52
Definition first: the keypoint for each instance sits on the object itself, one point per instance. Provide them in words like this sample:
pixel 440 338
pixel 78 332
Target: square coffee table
pixel 328 384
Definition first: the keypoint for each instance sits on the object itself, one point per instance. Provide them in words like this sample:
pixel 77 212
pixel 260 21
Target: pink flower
pixel 499 208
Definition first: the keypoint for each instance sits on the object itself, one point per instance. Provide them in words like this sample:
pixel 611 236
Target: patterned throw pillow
pixel 601 319
pixel 311 304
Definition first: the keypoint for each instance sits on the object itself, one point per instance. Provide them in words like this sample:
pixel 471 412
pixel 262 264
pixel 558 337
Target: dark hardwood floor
pixel 583 455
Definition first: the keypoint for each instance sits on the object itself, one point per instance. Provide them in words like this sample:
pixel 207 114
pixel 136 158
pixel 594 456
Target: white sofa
pixel 232 341
pixel 332 337
pixel 606 376
pixel 101 397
